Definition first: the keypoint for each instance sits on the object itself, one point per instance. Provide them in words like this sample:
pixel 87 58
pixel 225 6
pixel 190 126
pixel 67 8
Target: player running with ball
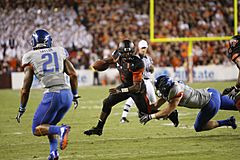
pixel 148 70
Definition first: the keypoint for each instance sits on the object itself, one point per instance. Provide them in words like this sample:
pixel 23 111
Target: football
pixel 100 65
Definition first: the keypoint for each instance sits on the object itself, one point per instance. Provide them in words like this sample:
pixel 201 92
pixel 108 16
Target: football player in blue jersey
pixel 49 64
pixel 209 100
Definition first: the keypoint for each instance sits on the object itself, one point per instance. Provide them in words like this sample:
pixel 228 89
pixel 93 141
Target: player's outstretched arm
pixel 164 113
pixel 71 72
pixel 233 91
pixel 160 102
pixel 28 78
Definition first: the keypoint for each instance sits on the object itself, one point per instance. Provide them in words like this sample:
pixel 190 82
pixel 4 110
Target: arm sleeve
pixel 150 59
pixel 65 54
pixel 137 76
pixel 137 68
pixel 26 59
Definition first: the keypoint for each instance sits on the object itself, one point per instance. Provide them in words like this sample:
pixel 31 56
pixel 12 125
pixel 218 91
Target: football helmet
pixel 234 45
pixel 126 48
pixel 163 84
pixel 41 39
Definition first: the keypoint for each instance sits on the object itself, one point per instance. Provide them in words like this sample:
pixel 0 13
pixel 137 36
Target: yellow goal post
pixel 190 40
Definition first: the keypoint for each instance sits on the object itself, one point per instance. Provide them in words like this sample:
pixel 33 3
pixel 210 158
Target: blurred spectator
pixel 93 58
pixel 89 26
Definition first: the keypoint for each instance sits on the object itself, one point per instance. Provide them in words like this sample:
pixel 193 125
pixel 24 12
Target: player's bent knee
pixel 106 102
pixel 36 132
pixel 106 106
pixel 39 131
pixel 198 128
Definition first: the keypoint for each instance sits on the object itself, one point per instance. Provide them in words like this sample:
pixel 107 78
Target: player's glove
pixel 140 114
pixel 232 91
pixel 227 90
pixel 75 100
pixel 157 92
pixel 145 118
pixel 20 113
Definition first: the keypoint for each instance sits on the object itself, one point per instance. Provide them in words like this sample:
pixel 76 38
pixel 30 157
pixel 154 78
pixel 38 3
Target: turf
pixel 157 140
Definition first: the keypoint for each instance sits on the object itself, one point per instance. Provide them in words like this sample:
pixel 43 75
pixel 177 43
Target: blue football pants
pixel 52 108
pixel 208 111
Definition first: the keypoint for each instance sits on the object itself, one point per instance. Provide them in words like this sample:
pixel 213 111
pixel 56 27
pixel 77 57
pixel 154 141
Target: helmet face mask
pixel 233 42
pixel 126 54
pixel 41 39
pixel 126 48
pixel 234 46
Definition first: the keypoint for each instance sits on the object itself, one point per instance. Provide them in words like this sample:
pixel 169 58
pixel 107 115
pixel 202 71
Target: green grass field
pixel 157 140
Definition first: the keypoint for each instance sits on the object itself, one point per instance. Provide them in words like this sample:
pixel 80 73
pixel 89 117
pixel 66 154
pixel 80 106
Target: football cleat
pixel 54 155
pixel 232 122
pixel 93 130
pixel 174 118
pixel 124 120
pixel 65 129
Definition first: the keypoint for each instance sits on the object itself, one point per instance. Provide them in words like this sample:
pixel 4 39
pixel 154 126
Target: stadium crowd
pixel 91 29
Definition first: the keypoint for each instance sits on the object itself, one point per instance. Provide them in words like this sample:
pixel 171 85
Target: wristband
pixel 22 107
pixel 237 88
pixel 153 116
pixel 124 90
pixel 74 92
pixel 237 85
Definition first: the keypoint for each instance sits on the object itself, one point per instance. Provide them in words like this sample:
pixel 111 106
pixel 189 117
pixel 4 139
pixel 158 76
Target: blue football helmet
pixel 164 83
pixel 41 39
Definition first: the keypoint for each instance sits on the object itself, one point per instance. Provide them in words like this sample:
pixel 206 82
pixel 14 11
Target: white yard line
pixel 128 154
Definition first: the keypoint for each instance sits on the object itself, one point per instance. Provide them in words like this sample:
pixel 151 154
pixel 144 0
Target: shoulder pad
pixel 175 90
pixel 136 64
pixel 26 59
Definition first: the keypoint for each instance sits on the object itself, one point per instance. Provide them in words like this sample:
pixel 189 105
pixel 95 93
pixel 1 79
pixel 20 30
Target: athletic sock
pixel 126 109
pixel 223 122
pixel 53 144
pixel 100 124
pixel 54 130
